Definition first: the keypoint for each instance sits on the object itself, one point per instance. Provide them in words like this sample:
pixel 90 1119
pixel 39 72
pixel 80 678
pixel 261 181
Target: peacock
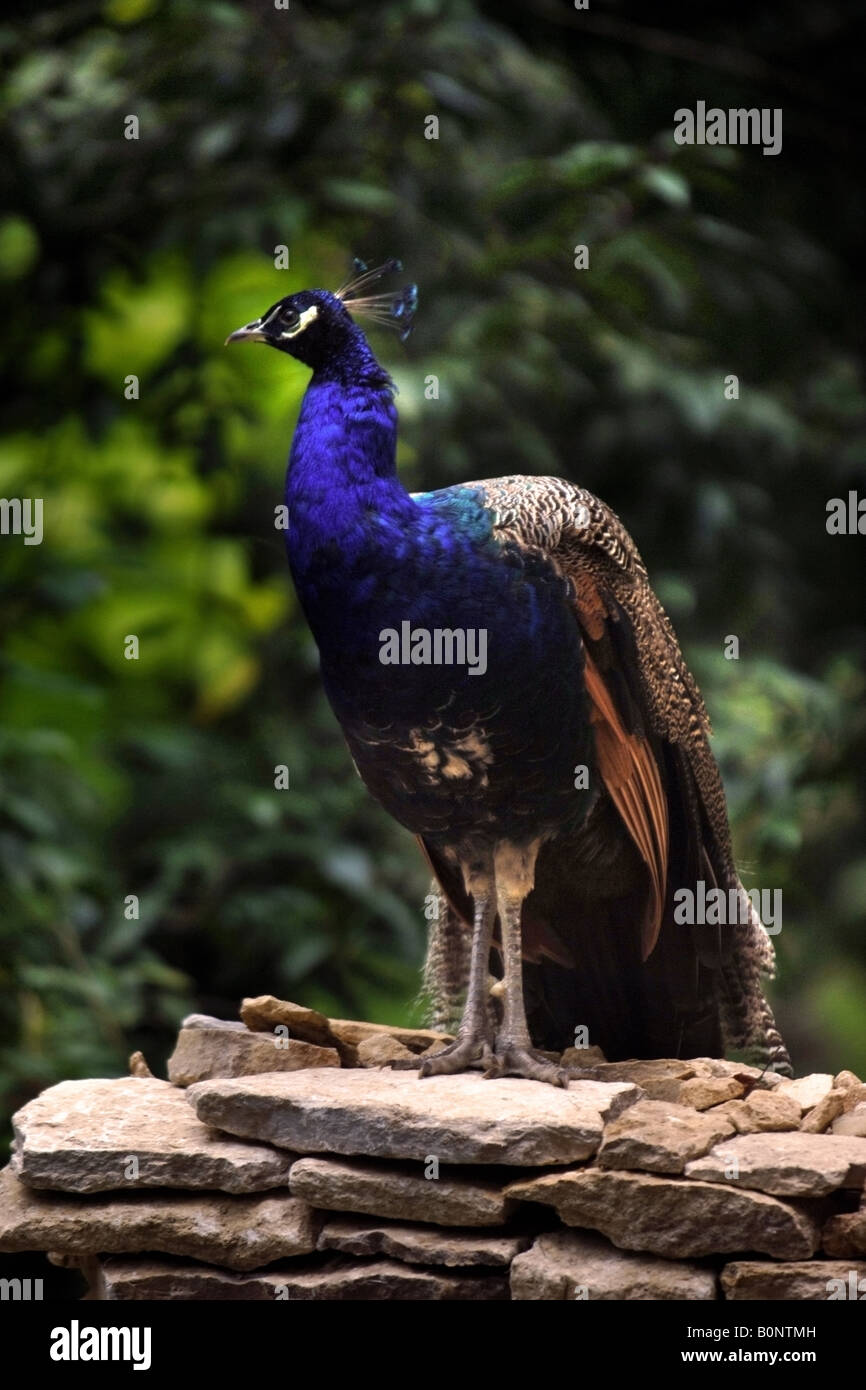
pixel 512 692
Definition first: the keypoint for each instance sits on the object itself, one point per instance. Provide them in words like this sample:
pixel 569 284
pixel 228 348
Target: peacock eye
pixel 289 317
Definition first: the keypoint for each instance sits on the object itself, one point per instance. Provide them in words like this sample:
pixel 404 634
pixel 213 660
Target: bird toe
pixel 466 1054
pixel 529 1064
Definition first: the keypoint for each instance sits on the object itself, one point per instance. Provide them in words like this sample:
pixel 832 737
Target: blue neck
pixel 344 497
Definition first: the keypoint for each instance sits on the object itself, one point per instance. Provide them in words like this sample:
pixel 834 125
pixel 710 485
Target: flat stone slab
pixel 567 1265
pixel 785 1165
pixel 660 1138
pixel 132 1279
pixel 761 1111
pixel 818 1280
pixel 640 1071
pixel 240 1232
pixel 720 1066
pixel 383 1114
pixel 92 1136
pixel 424 1245
pixel 210 1047
pixel 383 1189
pixel 822 1115
pixel 807 1091
pixel 265 1013
pixel 381 1050
pixel 703 1092
pixel 673 1217
pixel 645 1071
pixel 353 1030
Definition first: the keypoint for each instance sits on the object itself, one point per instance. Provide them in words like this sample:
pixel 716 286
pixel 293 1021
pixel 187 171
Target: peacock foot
pixel 465 1054
pixel 510 1059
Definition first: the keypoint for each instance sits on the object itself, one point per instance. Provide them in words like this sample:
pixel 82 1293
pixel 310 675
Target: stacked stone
pixel 290 1156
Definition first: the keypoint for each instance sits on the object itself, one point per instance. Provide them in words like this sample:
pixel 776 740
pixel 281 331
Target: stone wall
pixel 294 1156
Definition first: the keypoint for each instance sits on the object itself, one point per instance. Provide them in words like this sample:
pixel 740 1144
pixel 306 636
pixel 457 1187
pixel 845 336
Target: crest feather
pixel 394 310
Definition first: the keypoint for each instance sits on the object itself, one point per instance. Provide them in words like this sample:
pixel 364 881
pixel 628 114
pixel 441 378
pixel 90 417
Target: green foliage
pixel 127 258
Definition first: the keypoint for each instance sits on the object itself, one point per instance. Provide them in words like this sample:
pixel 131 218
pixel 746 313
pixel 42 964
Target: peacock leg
pixel 514 1054
pixel 473 1045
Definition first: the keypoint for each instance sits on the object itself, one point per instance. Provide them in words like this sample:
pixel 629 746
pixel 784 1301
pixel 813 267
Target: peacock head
pixel 316 326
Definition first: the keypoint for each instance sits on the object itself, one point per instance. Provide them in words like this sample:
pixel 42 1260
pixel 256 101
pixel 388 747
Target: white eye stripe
pixel 303 322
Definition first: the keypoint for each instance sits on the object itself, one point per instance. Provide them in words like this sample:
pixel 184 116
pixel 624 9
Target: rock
pixel 564 1265
pixel 210 1047
pixel 393 1114
pixel 424 1245
pixel 761 1111
pixel 264 1013
pixel 383 1189
pixel 582 1057
pixel 853 1096
pixel 700 1082
pixel 822 1115
pixel 133 1279
pixel 660 1088
pixel 241 1232
pixel 854 1122
pixel 846 1235
pixel 91 1136
pixel 659 1137
pixel 672 1217
pixel 806 1279
pixel 845 1080
pixel 786 1165
pixel 417 1040
pixel 138 1065
pixel 807 1090
pixel 438 1046
pixel 638 1071
pixel 662 1078
pixel 741 1071
pixel 703 1092
pixel 382 1049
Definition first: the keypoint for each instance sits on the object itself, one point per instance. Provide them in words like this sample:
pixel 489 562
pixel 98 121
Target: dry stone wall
pixel 293 1156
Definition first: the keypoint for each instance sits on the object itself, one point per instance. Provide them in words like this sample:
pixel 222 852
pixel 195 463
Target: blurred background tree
pixel 261 127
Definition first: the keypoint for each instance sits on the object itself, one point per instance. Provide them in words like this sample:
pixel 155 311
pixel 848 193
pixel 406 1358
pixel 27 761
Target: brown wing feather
pixel 632 779
pixel 597 557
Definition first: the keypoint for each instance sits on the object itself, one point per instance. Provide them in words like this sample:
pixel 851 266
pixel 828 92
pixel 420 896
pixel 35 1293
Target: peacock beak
pixel 252 333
